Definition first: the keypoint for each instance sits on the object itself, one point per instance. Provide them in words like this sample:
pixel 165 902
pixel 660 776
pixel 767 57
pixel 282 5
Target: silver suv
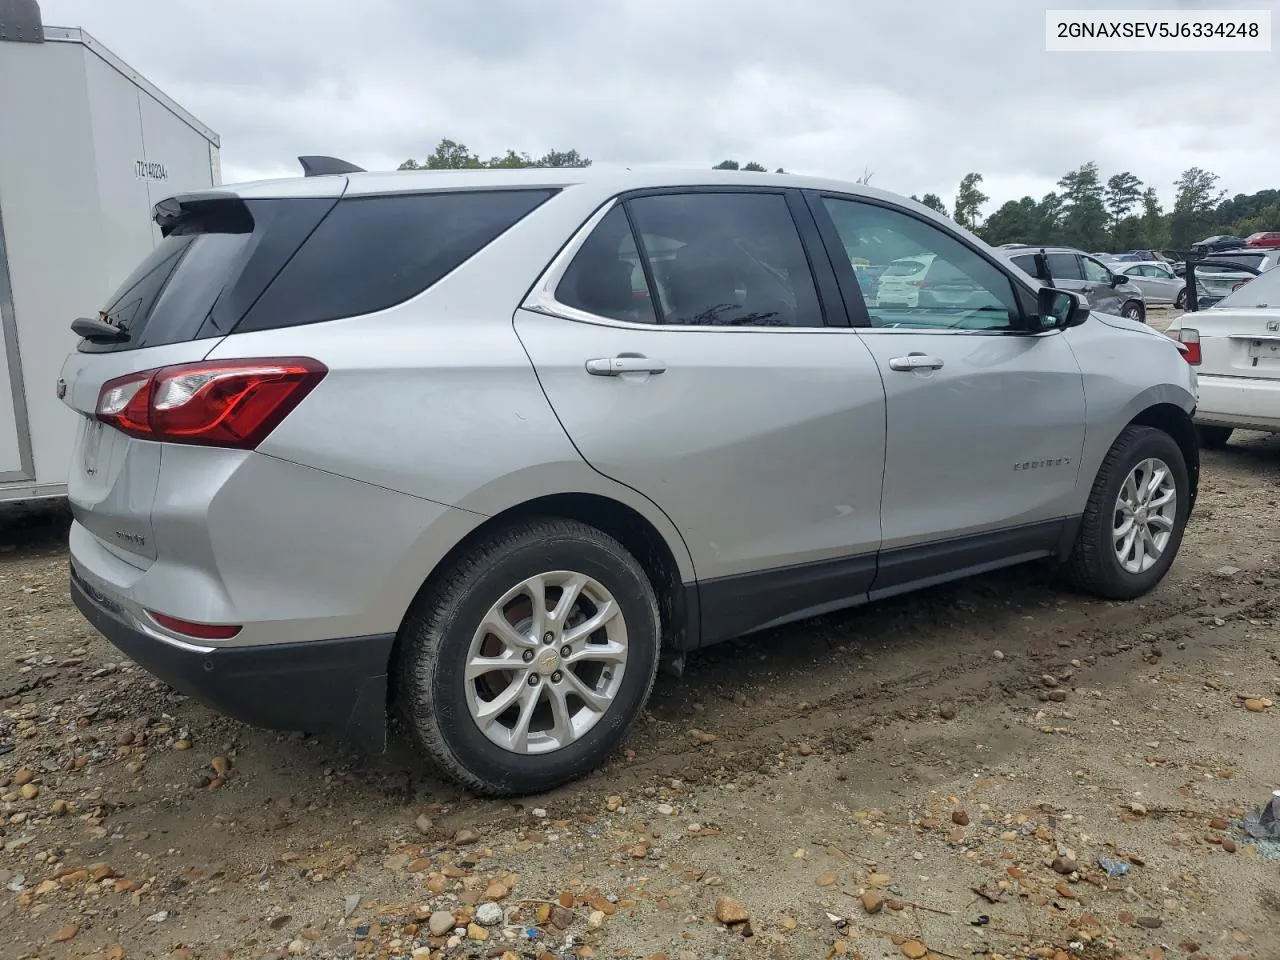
pixel 1105 290
pixel 484 446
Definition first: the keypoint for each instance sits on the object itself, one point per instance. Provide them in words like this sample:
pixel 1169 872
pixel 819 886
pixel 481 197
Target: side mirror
pixel 1119 279
pixel 1060 309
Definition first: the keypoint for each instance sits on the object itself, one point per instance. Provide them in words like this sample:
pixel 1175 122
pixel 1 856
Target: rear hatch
pixel 218 253
pixel 232 263
pixel 1240 336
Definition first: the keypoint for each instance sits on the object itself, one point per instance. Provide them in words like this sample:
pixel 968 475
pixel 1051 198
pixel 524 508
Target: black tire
pixel 1133 310
pixel 1180 302
pixel 1093 566
pixel 433 645
pixel 1213 438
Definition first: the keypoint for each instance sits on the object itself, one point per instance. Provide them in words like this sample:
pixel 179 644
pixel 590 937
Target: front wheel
pixel 524 665
pixel 1135 517
pixel 1133 311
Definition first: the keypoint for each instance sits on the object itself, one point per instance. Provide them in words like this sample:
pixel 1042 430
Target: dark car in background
pixel 1216 244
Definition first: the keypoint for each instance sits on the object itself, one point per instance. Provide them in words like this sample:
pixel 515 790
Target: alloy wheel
pixel 546 662
pixel 1145 513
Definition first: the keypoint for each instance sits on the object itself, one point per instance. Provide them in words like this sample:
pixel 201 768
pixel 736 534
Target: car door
pixel 985 418
pixel 710 383
pixel 1162 283
pixel 1099 286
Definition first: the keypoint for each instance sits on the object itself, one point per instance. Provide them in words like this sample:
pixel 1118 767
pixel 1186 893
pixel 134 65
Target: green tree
pixel 451 155
pixel 932 201
pixel 1194 205
pixel 1084 217
pixel 1013 222
pixel 969 200
pixel 1154 224
pixel 1123 192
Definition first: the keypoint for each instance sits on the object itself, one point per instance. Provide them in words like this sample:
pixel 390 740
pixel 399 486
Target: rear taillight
pixel 221 403
pixel 1189 344
pixel 200 631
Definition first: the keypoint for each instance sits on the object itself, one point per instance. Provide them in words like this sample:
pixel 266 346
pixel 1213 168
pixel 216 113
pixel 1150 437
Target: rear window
pixel 231 265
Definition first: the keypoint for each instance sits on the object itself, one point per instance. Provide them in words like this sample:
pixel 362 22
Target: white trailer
pixel 87 147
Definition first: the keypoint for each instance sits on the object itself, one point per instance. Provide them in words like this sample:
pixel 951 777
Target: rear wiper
pixel 98 331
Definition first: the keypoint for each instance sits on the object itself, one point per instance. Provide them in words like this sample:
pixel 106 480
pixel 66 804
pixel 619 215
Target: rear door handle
pixel 613 366
pixel 915 361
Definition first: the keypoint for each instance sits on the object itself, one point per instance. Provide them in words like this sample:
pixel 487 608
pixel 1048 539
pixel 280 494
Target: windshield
pixel 1261 291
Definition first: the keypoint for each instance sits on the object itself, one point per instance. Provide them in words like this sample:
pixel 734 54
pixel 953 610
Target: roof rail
pixel 320 166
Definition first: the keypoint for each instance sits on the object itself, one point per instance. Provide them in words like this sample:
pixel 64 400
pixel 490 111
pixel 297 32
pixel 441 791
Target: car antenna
pixel 320 166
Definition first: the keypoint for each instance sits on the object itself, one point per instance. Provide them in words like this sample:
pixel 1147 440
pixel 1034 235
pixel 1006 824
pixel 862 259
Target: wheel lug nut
pixel 565 650
pixel 548 638
pixel 533 679
pixel 557 677
pixel 528 655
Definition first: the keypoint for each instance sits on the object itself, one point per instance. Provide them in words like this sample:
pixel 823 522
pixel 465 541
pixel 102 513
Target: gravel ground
pixel 934 776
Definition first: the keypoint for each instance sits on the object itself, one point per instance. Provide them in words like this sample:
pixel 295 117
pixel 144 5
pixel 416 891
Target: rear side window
pixel 374 252
pixel 606 277
pixel 726 260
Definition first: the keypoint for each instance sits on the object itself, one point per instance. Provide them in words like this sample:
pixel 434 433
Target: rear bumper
pixel 336 686
pixel 1245 402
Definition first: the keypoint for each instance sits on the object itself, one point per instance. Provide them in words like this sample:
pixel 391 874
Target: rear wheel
pixel 525 664
pixel 1180 302
pixel 1134 519
pixel 1213 438
pixel 1134 311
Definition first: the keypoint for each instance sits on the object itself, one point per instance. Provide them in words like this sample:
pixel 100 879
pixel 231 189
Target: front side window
pixel 1095 272
pixel 928 279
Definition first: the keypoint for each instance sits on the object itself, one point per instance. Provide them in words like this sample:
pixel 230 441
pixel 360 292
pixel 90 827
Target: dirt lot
pixel 933 776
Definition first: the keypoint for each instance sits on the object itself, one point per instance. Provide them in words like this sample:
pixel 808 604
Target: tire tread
pixel 432 614
pixel 1088 565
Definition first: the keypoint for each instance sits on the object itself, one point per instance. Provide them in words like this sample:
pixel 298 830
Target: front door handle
pixel 614 366
pixel 915 361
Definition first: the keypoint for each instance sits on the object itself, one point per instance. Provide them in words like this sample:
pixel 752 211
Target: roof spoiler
pixel 321 166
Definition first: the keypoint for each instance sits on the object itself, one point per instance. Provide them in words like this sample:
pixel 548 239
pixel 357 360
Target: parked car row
pixel 1104 289
pixel 1266 239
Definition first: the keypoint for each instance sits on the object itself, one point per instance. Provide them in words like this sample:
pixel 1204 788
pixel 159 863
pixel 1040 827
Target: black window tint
pixel 726 259
pixel 1065 266
pixel 929 279
pixel 606 277
pixel 371 253
pixel 1026 263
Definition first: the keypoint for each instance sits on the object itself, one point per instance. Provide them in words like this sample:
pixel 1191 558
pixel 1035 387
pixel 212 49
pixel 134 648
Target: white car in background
pixel 900 282
pixel 1235 349
pixel 1156 280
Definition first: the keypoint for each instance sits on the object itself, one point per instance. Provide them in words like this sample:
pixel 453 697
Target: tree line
pixel 1119 213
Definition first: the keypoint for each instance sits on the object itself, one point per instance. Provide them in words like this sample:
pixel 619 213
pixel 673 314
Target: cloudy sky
pixel 917 91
